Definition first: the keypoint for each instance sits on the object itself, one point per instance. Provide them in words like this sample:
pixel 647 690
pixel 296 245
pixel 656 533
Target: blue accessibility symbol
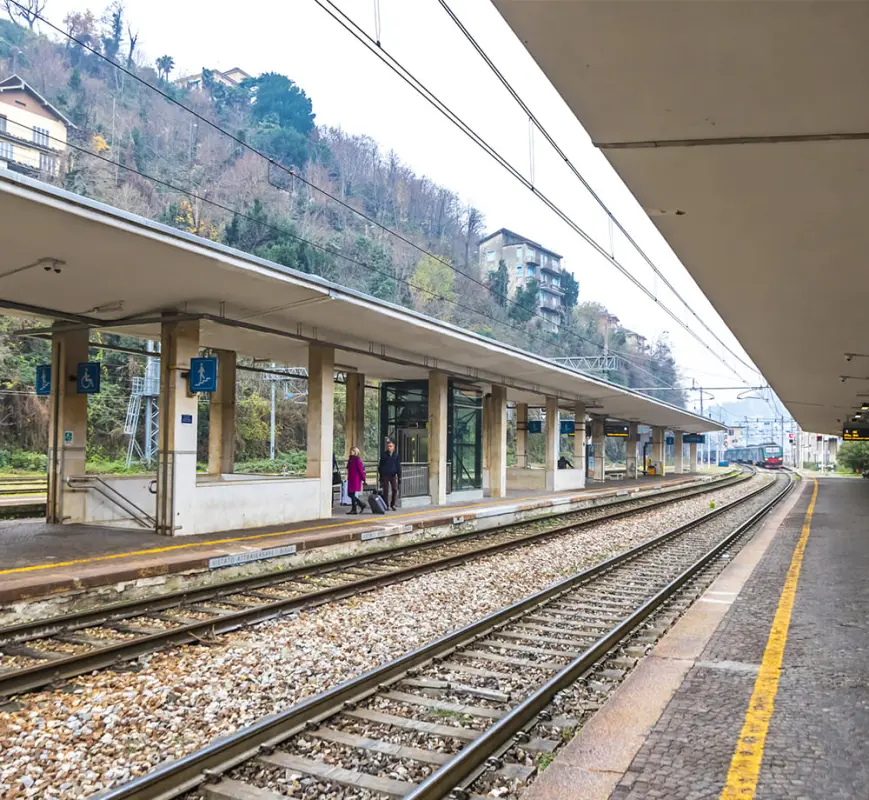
pixel 203 374
pixel 88 378
pixel 43 379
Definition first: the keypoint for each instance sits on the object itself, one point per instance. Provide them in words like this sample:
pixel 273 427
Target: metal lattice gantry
pixel 589 363
pixel 145 392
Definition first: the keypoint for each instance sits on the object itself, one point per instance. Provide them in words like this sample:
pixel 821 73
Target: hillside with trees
pixel 256 185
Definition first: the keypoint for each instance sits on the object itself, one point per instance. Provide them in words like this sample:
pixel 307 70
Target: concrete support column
pixel 678 454
pixel 553 431
pixel 176 466
pixel 658 440
pixel 598 439
pixel 487 424
pixel 321 422
pixel 354 413
pixel 579 436
pixel 438 410
pixel 221 417
pixel 522 435
pixel 692 456
pixel 67 433
pixel 631 451
pixel 498 442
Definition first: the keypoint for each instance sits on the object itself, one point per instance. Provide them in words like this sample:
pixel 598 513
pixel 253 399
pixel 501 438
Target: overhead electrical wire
pixel 581 178
pixel 316 245
pixel 402 72
pixel 295 175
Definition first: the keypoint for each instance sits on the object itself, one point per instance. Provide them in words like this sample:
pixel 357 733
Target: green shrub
pixel 295 462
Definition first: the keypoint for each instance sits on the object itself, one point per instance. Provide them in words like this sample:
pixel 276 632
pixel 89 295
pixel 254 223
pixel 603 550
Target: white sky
pixel 354 90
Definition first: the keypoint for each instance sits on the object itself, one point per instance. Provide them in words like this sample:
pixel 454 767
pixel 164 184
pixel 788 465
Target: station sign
pixel 203 375
pixel 669 440
pixel 694 438
pixel 854 434
pixel 88 380
pixel 567 427
pixel 619 431
pixel 535 426
pixel 43 379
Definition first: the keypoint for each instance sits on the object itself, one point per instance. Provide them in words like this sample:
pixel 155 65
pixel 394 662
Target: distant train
pixel 761 455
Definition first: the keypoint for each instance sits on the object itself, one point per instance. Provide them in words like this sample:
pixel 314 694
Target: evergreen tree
pixel 525 306
pixel 499 283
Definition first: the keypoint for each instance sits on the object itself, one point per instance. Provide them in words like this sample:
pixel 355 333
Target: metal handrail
pixel 106 490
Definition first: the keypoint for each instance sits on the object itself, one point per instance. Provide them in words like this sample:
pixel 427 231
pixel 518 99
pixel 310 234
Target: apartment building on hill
pixel 527 260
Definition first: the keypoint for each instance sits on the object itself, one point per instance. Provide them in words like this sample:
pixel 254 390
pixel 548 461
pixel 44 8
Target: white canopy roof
pixel 134 269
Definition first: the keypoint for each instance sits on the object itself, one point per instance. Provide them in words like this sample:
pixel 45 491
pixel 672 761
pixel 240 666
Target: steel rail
pixel 476 753
pixel 114 612
pixel 56 670
pixel 177 777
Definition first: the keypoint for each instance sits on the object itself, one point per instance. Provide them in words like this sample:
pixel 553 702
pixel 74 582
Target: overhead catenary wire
pixel 295 175
pixel 612 218
pixel 365 39
pixel 318 246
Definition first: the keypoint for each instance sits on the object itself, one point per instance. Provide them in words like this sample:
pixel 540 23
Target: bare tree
pixel 21 11
pixel 133 40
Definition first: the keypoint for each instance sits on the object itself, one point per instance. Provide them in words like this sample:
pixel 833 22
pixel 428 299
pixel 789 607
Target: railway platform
pixel 761 690
pixel 40 561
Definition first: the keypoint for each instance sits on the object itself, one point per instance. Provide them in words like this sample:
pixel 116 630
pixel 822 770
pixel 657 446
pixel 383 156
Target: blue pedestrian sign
pixel 670 440
pixel 43 379
pixel 567 427
pixel 535 426
pixel 203 374
pixel 88 378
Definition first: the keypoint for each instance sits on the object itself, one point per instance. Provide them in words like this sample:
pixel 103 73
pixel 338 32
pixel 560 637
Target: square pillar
pixel 522 435
pixel 321 422
pixel 553 433
pixel 176 466
pixel 221 417
pixel 579 436
pixel 497 448
pixel 658 440
pixel 678 454
pixel 67 433
pixel 438 419
pixel 598 439
pixel 631 451
pixel 485 432
pixel 692 457
pixel 354 413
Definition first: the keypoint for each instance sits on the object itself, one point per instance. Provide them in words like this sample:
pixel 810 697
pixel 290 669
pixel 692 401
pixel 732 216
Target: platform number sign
pixel 43 380
pixel 203 375
pixel 88 378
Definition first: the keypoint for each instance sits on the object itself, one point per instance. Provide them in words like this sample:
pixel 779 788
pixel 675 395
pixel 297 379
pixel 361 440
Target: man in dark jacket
pixel 389 472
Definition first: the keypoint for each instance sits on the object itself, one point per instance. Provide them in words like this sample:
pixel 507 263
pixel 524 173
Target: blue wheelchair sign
pixel 43 379
pixel 203 374
pixel 88 378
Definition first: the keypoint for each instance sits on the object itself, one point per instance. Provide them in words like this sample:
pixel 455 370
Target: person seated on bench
pixel 563 463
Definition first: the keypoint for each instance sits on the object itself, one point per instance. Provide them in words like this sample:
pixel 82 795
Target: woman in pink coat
pixel 355 479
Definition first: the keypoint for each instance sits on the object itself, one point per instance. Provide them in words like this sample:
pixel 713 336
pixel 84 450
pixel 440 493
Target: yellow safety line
pixel 251 537
pixel 745 765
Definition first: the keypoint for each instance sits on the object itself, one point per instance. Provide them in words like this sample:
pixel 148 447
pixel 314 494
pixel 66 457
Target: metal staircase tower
pixel 146 391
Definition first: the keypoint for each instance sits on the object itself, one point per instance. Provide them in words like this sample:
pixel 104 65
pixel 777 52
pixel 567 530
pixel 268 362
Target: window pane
pixel 6 151
pixel 40 136
pixel 2 124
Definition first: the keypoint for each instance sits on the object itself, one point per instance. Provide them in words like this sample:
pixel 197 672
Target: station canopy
pixel 743 131
pixel 126 274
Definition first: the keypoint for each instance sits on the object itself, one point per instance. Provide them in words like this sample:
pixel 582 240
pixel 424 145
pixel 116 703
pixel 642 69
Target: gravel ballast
pixel 112 726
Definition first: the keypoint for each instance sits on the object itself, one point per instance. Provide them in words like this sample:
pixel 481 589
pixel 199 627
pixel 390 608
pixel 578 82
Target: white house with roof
pixel 33 132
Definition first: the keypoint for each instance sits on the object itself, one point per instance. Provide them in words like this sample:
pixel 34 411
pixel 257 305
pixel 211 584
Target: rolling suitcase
pixel 376 503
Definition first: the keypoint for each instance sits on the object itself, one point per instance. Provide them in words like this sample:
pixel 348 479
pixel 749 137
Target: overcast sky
pixel 352 89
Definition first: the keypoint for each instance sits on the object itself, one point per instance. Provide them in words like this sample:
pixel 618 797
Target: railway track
pixel 49 651
pixel 468 712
